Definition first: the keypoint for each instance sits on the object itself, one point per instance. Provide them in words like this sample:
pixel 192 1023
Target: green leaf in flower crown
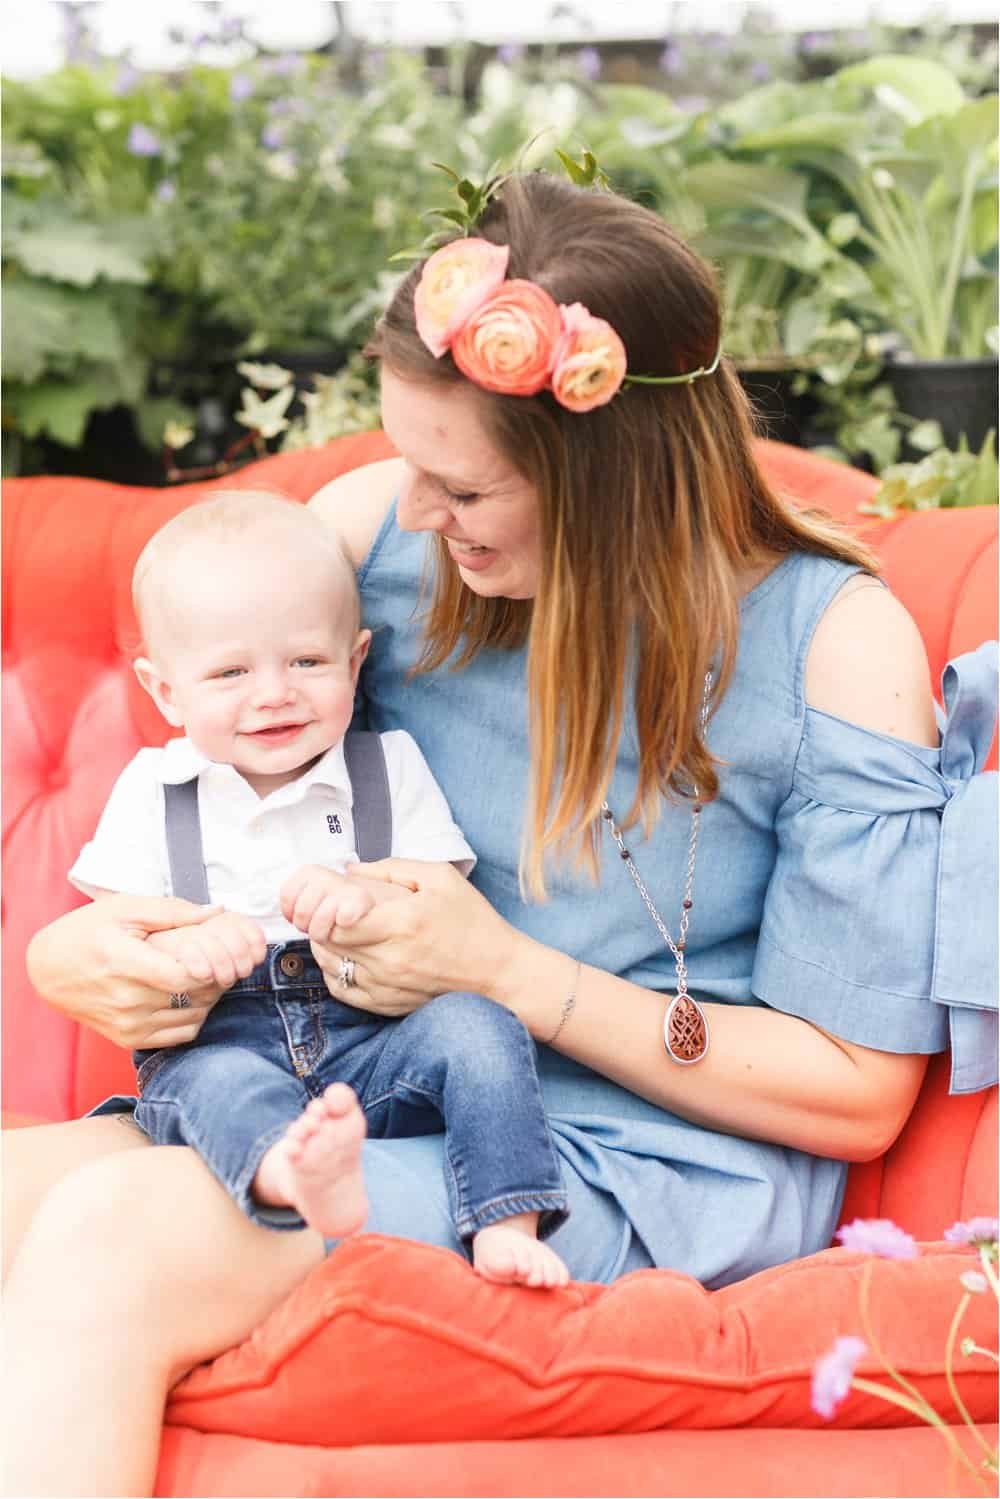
pixel 927 86
pixel 452 214
pixel 585 173
pixel 448 171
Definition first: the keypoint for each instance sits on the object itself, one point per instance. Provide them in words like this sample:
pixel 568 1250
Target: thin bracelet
pixel 568 1004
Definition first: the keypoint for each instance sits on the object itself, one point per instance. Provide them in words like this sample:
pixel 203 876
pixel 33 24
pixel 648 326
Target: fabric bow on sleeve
pixel 965 953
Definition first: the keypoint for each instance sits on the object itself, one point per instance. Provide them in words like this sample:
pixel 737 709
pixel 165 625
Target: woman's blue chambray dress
pixel 842 876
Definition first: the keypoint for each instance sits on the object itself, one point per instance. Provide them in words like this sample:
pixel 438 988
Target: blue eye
pixel 307 661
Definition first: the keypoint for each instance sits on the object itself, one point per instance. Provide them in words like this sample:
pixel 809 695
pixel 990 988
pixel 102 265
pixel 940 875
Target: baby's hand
pixel 219 951
pixel 316 900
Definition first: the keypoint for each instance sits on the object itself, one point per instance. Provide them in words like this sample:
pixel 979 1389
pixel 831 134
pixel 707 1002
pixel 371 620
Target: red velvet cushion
pixel 397 1342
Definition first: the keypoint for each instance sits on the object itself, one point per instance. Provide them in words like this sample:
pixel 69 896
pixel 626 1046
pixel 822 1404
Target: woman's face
pixel 459 485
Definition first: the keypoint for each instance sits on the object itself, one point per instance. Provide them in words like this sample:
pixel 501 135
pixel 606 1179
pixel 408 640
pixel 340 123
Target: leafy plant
pixel 942 480
pixel 913 168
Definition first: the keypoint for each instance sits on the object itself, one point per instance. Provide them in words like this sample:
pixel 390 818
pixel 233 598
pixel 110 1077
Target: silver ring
pixel 180 1001
pixel 345 976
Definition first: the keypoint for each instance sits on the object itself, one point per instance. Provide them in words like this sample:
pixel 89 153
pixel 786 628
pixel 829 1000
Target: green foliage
pixel 942 480
pixel 213 215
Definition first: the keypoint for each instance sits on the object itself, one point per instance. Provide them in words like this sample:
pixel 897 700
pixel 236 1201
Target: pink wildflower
pixel 878 1236
pixel 974 1231
pixel 832 1375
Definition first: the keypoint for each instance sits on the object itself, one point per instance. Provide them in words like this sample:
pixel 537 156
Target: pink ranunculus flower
pixel 832 1375
pixel 508 343
pixel 973 1231
pixel 456 280
pixel 590 361
pixel 878 1236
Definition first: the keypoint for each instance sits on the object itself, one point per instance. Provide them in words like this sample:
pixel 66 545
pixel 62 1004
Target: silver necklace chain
pixel 679 947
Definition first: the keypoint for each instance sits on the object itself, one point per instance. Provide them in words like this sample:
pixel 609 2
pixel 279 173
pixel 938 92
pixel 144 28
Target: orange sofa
pixel 393 1370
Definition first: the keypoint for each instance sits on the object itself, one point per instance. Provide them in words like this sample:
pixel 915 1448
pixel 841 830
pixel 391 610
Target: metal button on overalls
pixel 292 964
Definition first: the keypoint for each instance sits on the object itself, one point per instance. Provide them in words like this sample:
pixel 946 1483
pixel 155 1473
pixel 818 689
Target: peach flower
pixel 590 361
pixel 508 343
pixel 455 281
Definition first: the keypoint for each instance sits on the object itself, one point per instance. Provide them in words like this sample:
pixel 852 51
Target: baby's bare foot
pixel 513 1256
pixel 316 1166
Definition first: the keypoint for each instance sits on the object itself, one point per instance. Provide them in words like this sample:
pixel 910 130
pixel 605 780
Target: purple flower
pixel 166 191
pixel 814 41
pixel 510 53
pixel 126 80
pixel 241 86
pixel 974 1231
pixel 142 141
pixel 78 39
pixel 272 137
pixel 760 71
pixel 588 60
pixel 281 107
pixel 878 1236
pixel 832 1375
pixel 231 29
pixel 285 65
pixel 671 60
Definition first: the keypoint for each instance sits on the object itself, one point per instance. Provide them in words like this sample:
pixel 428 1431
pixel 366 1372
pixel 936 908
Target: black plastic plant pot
pixel 959 393
pixel 782 415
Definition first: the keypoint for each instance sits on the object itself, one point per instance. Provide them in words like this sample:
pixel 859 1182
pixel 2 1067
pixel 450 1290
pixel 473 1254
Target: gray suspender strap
pixel 372 812
pixel 183 830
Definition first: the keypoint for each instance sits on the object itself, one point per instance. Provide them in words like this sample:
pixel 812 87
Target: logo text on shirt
pixel 333 823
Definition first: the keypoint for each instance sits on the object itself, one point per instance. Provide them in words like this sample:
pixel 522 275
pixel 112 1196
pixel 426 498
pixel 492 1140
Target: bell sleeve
pixel 880 917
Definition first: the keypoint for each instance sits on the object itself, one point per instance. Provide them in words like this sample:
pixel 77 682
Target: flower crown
pixel 511 337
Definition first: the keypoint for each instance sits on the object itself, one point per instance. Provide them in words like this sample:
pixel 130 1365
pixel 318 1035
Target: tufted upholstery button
pixel 292 964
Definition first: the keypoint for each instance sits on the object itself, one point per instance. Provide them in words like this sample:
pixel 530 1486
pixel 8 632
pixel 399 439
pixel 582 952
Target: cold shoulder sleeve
pixel 880 919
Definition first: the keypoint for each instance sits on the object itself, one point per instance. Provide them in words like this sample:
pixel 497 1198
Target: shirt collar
pixel 182 761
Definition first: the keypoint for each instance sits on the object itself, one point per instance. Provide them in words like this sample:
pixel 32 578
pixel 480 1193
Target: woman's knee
pixel 35 1160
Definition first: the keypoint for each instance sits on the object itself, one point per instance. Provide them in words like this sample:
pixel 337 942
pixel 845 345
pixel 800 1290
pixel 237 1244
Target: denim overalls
pixel 460 1064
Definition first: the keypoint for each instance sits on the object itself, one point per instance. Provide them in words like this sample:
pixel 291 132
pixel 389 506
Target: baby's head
pixel 251 626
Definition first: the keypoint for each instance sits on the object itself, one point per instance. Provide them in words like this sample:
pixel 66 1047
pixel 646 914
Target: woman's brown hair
pixel 652 511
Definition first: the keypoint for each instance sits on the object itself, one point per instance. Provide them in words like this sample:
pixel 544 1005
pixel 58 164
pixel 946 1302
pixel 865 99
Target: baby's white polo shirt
pixel 253 844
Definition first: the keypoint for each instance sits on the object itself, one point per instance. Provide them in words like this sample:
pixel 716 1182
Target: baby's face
pixel 259 665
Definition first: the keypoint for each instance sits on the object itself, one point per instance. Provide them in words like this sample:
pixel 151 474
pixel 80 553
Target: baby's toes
pixel 338 1099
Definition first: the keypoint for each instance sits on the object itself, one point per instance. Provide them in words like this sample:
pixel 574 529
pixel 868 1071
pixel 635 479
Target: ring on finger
pixel 180 1001
pixel 345 974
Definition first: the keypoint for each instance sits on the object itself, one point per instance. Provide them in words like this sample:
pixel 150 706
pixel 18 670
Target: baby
pixel 250 619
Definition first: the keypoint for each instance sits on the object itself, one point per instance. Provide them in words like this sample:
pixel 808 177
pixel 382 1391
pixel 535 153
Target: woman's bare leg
pixel 34 1159
pixel 135 1268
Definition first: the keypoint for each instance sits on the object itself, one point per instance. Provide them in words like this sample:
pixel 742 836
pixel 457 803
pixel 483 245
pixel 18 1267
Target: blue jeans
pixel 277 1039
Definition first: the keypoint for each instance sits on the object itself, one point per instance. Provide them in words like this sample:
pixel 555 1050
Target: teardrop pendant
pixel 685 1030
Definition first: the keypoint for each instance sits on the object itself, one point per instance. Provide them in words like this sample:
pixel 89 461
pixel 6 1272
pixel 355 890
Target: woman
pixel 606 608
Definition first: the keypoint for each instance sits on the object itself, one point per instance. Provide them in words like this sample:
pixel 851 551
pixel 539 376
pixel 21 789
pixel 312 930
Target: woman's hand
pixel 95 965
pixel 444 937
